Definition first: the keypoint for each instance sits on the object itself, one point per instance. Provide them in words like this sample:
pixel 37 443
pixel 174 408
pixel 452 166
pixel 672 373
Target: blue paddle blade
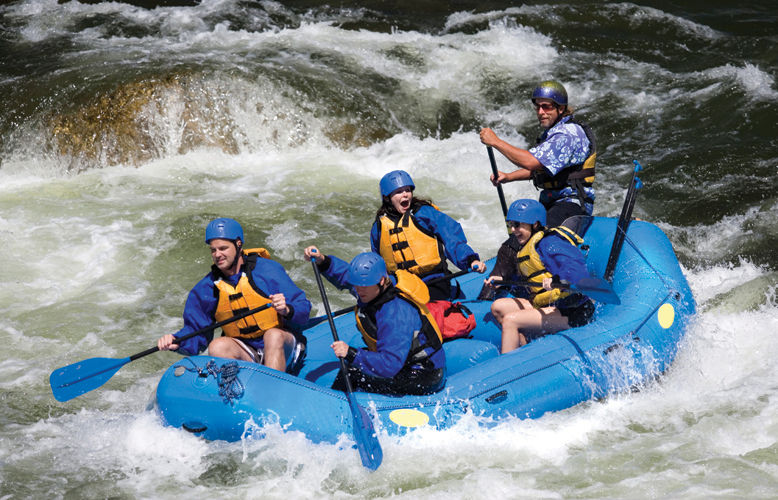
pixel 597 289
pixel 74 380
pixel 365 436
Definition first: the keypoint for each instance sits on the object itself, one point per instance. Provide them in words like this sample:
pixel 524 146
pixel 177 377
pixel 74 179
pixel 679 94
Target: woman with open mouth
pixel 411 233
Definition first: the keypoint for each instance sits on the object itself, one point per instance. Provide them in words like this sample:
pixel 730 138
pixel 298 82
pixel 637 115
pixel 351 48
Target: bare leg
pixel 512 339
pixel 508 305
pixel 278 346
pixel 530 321
pixel 226 347
pixel 503 309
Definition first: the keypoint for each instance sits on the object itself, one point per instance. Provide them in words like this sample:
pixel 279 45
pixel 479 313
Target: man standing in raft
pixel 404 352
pixel 562 161
pixel 241 280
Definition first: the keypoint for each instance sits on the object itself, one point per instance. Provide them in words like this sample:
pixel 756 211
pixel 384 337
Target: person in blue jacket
pixel 240 280
pixel 561 164
pixel 404 352
pixel 411 233
pixel 545 256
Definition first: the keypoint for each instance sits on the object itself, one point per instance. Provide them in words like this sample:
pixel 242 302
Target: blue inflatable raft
pixel 624 346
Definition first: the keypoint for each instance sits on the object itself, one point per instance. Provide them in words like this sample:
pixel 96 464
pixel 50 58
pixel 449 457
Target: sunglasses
pixel 513 224
pixel 545 106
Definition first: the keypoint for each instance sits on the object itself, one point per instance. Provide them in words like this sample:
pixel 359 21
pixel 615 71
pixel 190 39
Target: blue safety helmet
pixel 550 89
pixel 529 211
pixel 223 228
pixel 394 180
pixel 366 269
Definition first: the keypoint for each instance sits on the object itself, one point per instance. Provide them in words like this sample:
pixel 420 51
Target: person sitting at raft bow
pixel 545 256
pixel 404 352
pixel 241 280
pixel 562 161
pixel 412 234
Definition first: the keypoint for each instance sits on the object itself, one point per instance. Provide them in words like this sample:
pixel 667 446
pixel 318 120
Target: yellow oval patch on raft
pixel 406 417
pixel 666 315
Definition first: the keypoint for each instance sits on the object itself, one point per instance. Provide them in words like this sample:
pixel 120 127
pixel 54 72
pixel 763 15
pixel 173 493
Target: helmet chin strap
pixel 235 266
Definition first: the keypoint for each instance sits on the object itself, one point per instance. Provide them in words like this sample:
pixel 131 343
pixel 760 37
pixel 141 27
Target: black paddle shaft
pixel 343 368
pixel 499 186
pixel 531 284
pixel 622 225
pixel 205 330
pixel 364 434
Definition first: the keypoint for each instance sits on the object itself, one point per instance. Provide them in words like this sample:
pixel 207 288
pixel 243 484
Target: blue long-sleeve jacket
pixel 562 259
pixel 200 307
pixel 566 261
pixel 447 229
pixel 397 320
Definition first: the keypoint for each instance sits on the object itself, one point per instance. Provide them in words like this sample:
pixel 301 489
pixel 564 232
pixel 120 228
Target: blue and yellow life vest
pixel 413 290
pixel 242 297
pixel 531 267
pixel 405 245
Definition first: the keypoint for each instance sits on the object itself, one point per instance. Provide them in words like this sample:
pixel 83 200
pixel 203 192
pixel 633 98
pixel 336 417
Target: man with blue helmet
pixel 561 164
pixel 241 280
pixel 403 353
pixel 539 256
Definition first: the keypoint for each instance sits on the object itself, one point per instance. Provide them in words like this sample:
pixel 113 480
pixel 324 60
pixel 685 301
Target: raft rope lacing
pixel 230 387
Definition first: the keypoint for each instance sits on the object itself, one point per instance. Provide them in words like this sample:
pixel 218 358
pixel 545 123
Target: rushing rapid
pixel 127 126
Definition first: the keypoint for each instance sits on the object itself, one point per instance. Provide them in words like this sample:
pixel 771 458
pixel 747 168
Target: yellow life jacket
pixel 531 267
pixel 405 245
pixel 242 297
pixel 413 290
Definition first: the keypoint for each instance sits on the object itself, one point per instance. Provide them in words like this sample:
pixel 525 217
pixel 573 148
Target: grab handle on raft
pixel 623 223
pixel 499 186
pixel 74 380
pixel 364 434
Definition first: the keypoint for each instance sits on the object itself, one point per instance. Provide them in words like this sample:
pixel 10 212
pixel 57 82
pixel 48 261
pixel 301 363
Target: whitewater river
pixel 126 127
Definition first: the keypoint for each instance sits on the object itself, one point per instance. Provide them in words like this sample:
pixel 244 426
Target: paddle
pixel 594 288
pixel 74 380
pixel 499 186
pixel 319 319
pixel 364 434
pixel 623 223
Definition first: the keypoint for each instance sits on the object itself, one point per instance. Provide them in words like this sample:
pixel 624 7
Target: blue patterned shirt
pixel 563 145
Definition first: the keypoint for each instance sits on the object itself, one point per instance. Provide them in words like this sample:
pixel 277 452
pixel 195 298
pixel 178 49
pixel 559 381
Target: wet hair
pixel 387 208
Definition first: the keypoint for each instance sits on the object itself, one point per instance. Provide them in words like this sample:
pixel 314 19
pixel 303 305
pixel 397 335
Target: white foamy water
pixel 98 261
pixel 116 278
